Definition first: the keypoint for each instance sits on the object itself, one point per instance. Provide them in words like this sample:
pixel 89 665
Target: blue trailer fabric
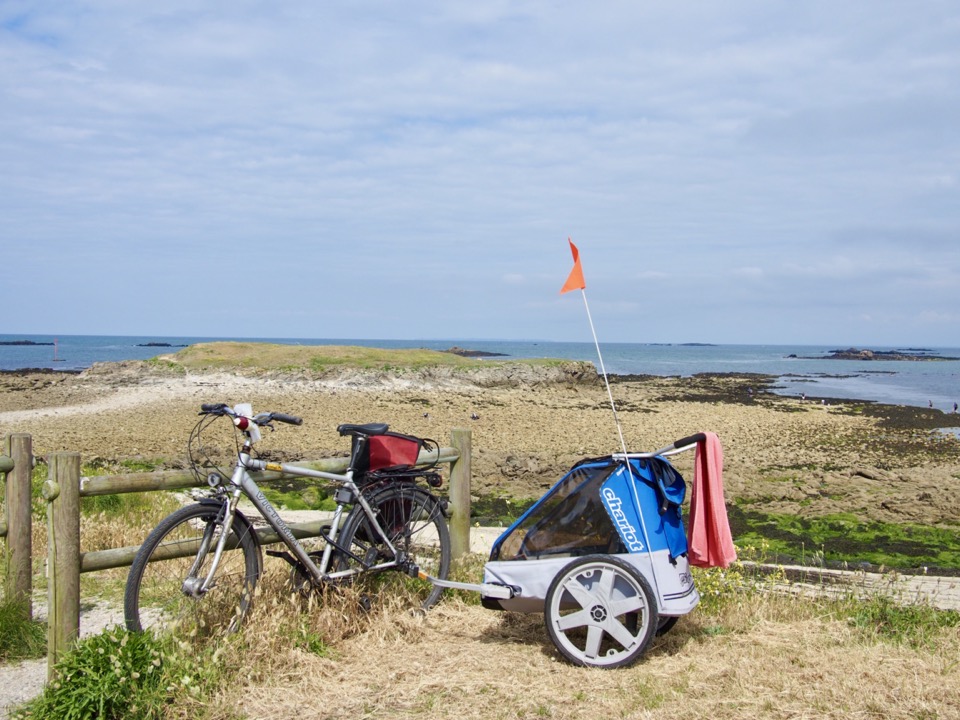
pixel 596 508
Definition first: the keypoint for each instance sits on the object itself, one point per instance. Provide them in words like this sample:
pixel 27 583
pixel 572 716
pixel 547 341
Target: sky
pixel 736 172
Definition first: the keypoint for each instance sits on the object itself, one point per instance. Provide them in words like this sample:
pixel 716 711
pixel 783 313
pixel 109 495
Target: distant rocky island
pixel 911 354
pixel 473 353
pixel 158 344
pixel 23 342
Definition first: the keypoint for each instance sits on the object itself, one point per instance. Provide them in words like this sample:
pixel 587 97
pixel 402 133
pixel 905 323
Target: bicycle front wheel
pixel 414 522
pixel 175 557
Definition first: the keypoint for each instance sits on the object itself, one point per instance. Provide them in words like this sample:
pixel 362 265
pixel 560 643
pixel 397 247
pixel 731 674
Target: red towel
pixel 708 534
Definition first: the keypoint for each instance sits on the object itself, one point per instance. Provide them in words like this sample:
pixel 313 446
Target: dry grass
pixel 758 655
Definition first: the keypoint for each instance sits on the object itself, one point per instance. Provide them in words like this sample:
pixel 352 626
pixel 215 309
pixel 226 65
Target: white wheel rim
pixel 588 612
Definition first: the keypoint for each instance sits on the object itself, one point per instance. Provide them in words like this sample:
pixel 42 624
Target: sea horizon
pixel 799 369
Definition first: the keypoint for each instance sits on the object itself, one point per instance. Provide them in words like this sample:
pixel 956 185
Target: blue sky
pixel 737 172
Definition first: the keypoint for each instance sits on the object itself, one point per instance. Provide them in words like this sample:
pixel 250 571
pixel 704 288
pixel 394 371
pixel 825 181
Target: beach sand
pixel 781 454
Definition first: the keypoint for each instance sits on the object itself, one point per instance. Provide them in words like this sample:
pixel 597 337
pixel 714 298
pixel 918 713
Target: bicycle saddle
pixel 368 429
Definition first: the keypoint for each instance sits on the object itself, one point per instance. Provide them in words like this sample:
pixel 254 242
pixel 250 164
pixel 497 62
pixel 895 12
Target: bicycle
pixel 203 561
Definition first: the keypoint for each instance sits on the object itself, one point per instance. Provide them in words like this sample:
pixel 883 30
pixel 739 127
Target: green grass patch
pixel 320 358
pixel 296 494
pixel 20 636
pixel 844 538
pixel 883 618
pixel 495 511
pixel 164 363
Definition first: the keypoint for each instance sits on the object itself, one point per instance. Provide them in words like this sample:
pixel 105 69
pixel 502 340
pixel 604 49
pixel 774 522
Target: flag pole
pixel 603 371
pixel 575 281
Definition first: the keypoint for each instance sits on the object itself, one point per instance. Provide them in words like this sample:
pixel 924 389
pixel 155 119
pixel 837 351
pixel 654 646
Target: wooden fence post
pixel 19 581
pixel 62 492
pixel 460 471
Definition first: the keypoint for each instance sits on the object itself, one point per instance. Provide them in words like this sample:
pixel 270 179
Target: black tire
pixel 666 624
pixel 414 521
pixel 154 597
pixel 600 612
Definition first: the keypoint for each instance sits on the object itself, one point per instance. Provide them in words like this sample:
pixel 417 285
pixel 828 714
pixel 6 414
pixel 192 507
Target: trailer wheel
pixel 600 612
pixel 666 624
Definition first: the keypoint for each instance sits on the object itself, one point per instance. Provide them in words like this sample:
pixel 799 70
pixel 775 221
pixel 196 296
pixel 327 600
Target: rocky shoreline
pixel 529 423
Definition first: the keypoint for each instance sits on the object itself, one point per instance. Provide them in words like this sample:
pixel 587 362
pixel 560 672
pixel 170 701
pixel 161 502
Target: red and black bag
pixel 390 452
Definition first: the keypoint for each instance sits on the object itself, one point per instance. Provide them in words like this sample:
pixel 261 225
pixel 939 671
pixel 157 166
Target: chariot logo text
pixel 626 530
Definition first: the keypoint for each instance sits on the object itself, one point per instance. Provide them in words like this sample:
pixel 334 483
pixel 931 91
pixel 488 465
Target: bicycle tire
pixel 415 523
pixel 154 597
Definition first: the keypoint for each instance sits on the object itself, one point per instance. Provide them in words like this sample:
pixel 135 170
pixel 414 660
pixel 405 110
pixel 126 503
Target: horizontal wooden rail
pixel 182 479
pixel 123 557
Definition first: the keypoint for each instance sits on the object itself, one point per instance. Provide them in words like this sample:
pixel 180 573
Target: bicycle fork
pixel 193 585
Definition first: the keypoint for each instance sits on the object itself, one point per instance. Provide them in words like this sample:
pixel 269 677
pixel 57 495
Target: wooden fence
pixel 64 487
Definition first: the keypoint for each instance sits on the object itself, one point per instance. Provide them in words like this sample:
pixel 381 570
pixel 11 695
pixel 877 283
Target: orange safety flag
pixel 575 278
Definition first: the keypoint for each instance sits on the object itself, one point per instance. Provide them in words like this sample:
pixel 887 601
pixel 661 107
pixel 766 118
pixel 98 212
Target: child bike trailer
pixel 603 555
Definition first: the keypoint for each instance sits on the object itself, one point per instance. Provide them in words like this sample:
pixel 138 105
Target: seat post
pixel 356 449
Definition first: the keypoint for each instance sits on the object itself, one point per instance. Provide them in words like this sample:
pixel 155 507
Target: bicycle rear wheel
pixel 414 521
pixel 181 547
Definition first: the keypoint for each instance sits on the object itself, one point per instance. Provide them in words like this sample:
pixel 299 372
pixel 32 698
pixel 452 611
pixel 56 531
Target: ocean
pixel 892 382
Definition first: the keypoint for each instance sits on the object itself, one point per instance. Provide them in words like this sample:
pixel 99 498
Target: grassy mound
pixel 267 356
pixel 323 358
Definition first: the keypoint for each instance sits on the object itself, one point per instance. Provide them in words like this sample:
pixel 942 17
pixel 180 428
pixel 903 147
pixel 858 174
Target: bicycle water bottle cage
pixel 368 429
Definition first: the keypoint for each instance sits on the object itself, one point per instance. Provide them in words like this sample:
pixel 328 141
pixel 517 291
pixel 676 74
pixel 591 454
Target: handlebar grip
pixel 289 419
pixel 690 440
pixel 212 407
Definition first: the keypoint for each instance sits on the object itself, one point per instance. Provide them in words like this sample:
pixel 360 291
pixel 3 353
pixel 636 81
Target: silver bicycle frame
pixel 243 483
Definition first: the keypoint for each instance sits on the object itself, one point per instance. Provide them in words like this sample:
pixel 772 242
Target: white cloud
pixel 749 154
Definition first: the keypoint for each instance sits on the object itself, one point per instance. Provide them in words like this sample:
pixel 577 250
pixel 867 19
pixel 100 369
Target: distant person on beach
pixel 954 407
pixel 931 404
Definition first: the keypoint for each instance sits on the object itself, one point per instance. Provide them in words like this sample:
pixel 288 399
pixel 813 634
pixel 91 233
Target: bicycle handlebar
pixel 259 419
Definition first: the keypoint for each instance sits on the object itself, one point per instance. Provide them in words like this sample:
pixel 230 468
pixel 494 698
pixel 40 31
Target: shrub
pixel 116 674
